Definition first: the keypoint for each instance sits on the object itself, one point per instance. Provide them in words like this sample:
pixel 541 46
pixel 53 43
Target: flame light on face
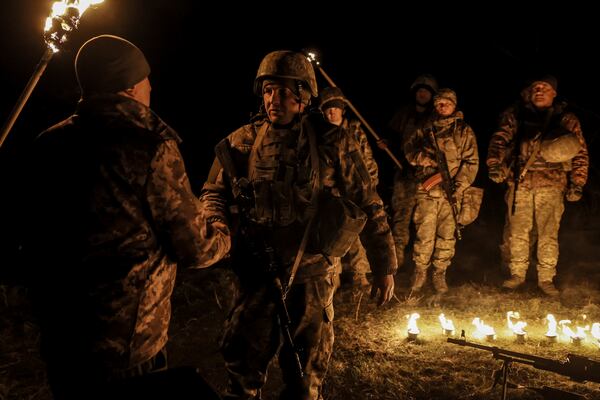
pixel 64 18
pixel 447 325
pixel 483 330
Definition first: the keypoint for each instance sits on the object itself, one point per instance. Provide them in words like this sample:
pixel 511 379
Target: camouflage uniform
pixel 539 197
pixel 355 261
pixel 434 222
pixel 115 218
pixel 404 122
pixel 277 162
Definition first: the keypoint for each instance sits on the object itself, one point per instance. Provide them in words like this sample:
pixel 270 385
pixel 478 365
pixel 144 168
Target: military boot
pixel 548 288
pixel 439 281
pixel 419 279
pixel 514 282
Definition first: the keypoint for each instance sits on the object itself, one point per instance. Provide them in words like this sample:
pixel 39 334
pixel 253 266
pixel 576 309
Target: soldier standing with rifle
pixel 539 149
pixel 278 174
pixel 444 154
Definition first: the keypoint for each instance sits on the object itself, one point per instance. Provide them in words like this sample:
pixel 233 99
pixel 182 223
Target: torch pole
pixel 364 121
pixel 35 77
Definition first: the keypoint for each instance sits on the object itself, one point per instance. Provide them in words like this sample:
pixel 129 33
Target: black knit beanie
pixel 109 64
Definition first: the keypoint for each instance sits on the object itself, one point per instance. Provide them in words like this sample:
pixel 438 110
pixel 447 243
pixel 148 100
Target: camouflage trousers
pixel 403 206
pixel 434 224
pixel 252 338
pixel 505 245
pixel 540 209
pixel 355 262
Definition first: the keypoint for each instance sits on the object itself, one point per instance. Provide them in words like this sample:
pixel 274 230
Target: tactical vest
pixel 277 175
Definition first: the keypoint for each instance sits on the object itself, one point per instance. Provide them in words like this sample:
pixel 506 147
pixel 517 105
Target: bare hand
pixel 384 284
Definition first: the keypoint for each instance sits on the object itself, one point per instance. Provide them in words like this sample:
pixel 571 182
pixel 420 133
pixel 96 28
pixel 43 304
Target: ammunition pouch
pixel 470 205
pixel 339 222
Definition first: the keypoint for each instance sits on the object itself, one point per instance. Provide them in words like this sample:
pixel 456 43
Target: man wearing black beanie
pixel 112 216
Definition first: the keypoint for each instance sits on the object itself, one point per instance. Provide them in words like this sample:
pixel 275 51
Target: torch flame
pixel 447 324
pixel 482 329
pixel 64 19
pixel 567 331
pixel 412 323
pixel 516 327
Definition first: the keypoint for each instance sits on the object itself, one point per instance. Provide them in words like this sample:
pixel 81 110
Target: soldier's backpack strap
pixel 306 126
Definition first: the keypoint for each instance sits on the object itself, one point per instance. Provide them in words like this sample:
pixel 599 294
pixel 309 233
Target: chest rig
pixel 279 173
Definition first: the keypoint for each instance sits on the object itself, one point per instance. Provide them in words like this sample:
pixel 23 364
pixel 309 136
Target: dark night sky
pixel 372 53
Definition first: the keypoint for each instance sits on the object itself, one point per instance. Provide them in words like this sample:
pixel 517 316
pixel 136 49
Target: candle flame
pixel 412 323
pixel 552 326
pixel 516 327
pixel 568 332
pixel 447 324
pixel 482 329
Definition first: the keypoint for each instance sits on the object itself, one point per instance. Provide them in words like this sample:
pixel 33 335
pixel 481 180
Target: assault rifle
pixel 447 181
pixel 576 367
pixel 257 240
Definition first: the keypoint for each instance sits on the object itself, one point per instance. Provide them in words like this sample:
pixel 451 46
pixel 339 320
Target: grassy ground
pixel 372 357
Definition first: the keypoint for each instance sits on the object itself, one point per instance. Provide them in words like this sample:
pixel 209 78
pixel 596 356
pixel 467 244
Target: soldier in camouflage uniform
pixel 273 153
pixel 333 106
pixel 113 216
pixel 433 218
pixel 404 122
pixel 540 179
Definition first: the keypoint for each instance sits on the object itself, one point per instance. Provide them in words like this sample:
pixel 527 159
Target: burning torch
pixel 312 57
pixel 63 20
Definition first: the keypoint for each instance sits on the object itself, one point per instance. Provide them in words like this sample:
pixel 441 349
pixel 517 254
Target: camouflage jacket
pixel 286 153
pixel 355 129
pixel 456 139
pixel 522 124
pixel 405 122
pixel 114 215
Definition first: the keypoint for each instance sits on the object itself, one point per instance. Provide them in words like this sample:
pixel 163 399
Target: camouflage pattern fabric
pixel 433 218
pixel 404 122
pixel 279 158
pixel 117 216
pixel 543 186
pixel 252 338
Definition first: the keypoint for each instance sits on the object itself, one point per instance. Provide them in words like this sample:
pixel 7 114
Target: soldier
pixel 434 220
pixel 333 106
pixel 540 151
pixel 113 216
pixel 404 122
pixel 283 160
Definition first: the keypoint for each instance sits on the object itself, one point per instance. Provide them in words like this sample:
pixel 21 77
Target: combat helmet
pixel 426 81
pixel 560 148
pixel 285 64
pixel 332 97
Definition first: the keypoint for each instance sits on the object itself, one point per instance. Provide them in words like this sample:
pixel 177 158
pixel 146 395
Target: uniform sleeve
pixel 368 156
pixel 501 140
pixel 195 235
pixel 580 163
pixel 419 151
pixel 376 235
pixel 469 160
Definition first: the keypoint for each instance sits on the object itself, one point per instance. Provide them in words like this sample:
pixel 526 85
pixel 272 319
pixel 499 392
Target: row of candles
pixel 516 325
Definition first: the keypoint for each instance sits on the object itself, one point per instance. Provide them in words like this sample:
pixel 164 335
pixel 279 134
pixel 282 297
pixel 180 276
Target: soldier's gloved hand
pixel 574 193
pixel 496 173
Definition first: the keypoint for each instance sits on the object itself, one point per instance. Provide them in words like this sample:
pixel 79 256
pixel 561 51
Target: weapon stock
pixel 447 181
pixel 575 367
pixel 259 243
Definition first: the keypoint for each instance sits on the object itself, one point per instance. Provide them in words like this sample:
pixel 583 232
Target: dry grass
pixel 372 357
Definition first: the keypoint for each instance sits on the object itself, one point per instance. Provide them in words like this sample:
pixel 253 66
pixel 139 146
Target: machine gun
pixel 257 240
pixel 447 181
pixel 576 367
